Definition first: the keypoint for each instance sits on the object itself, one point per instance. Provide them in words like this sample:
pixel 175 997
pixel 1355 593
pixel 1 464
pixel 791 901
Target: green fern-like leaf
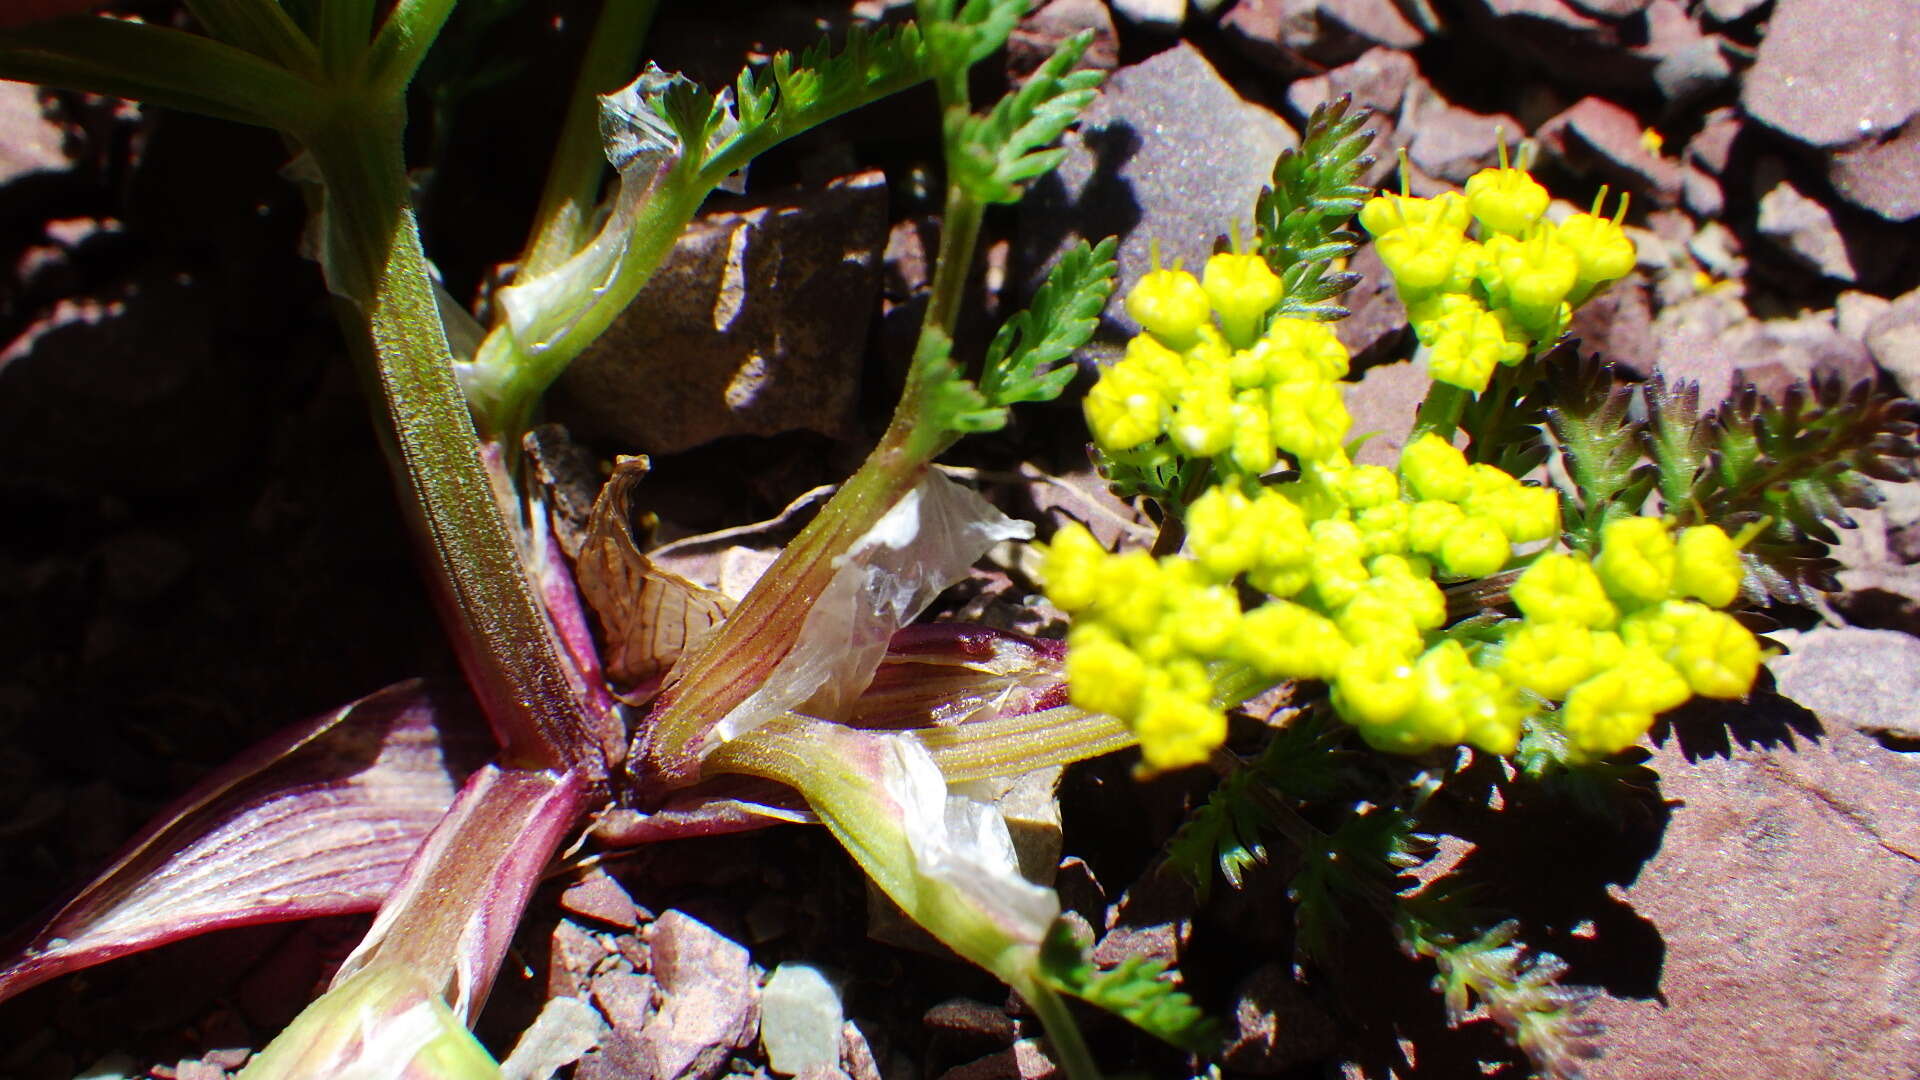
pixel 950 402
pixel 960 35
pixel 1024 362
pixel 1599 444
pixel 995 153
pixel 718 134
pixel 1301 763
pixel 1520 989
pixel 1301 219
pixel 1798 465
pixel 1353 868
pixel 1141 991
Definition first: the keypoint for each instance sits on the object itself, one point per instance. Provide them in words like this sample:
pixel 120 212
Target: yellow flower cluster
pixel 1632 633
pixel 1347 556
pixel 1238 390
pixel 1478 303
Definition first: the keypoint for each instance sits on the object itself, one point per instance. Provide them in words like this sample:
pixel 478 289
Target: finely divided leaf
pixel 1301 220
pixel 1143 992
pixel 991 156
pixel 1024 361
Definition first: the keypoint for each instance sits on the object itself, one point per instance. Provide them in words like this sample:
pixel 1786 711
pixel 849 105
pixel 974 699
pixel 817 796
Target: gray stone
pixel 1377 327
pixel 1893 340
pixel 1711 339
pixel 800 1019
pixel 1783 890
pixel 1854 312
pixel 1805 230
pixel 1161 15
pixel 1712 146
pixel 709 1002
pixel 1567 45
pixel 565 1029
pixel 1701 194
pixel 1167 154
pixel 1281 36
pixel 1833 72
pixel 755 324
pixel 1726 11
pixel 1296 37
pixel 1380 22
pixel 1617 324
pixel 1882 176
pixel 1023 1060
pixel 1452 143
pixel 1596 136
pixel 1382 406
pixel 1693 70
pixel 1866 679
pixel 30 143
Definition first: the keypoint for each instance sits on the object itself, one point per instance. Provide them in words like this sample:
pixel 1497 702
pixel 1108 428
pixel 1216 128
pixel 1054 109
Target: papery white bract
pixel 923 544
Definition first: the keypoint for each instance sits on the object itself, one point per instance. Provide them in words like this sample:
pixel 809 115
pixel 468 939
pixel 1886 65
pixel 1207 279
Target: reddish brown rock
pixel 1831 73
pixel 1276 1025
pixel 1597 136
pixel 747 328
pixel 1046 26
pixel 1882 175
pixel 1783 888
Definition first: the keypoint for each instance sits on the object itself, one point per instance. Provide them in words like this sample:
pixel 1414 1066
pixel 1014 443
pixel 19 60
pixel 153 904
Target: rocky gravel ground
pixel 200 548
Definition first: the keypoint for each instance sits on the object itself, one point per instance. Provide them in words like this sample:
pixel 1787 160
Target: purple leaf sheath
pixel 318 820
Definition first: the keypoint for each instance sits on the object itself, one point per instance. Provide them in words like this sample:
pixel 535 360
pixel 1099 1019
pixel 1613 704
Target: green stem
pixel 959 234
pixel 573 180
pixel 497 625
pixel 1069 1047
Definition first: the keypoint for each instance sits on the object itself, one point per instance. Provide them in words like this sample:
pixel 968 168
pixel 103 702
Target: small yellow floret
pixel 1533 276
pixel 1563 588
pixel 1309 419
pixel 1605 251
pixel 1171 305
pixel 1718 657
pixel 1284 640
pixel 1506 200
pixel 1475 547
pixel 1103 675
pixel 1071 568
pixel 1636 560
pixel 1420 257
pixel 1375 687
pixel 1610 711
pixel 1549 658
pixel 1707 566
pixel 1243 289
pixel 1305 349
pixel 1435 469
pixel 1177 731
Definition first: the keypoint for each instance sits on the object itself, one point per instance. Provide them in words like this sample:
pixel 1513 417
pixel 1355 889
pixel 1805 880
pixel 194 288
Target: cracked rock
pixel 1783 886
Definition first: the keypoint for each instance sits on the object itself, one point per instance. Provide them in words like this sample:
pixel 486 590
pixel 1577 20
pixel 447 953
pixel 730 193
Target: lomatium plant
pixel 1450 600
pixel 1465 596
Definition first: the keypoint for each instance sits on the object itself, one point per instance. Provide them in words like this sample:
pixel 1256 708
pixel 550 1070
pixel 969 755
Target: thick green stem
pixel 374 260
